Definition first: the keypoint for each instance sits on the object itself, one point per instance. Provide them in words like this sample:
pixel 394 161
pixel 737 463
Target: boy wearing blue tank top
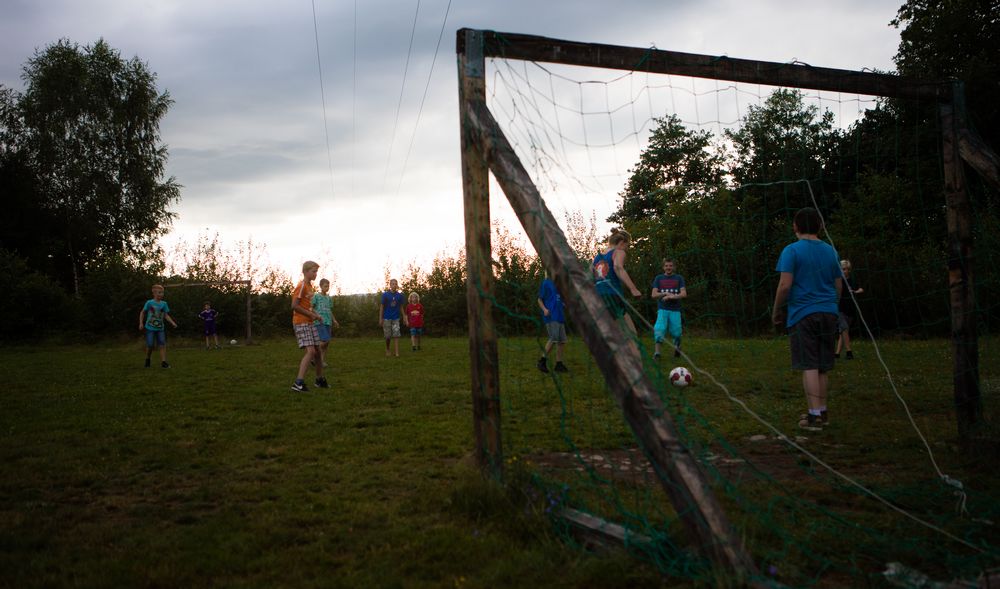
pixel 610 275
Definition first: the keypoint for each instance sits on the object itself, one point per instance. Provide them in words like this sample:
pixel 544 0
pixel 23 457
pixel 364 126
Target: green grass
pixel 214 473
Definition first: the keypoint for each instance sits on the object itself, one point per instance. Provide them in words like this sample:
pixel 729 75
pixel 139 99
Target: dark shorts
pixel 812 340
pixel 209 329
pixel 614 304
pixel 844 322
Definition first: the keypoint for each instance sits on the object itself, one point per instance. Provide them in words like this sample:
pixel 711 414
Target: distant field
pixel 214 473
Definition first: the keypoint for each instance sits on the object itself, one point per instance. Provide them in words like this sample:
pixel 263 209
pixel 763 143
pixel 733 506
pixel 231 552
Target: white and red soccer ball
pixel 680 377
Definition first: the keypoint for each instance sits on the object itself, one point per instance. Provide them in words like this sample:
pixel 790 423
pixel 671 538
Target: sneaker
pixel 813 423
pixel 413 348
pixel 147 363
pixel 164 364
pixel 321 383
pixel 656 355
pixel 560 367
pixel 299 386
pixel 850 355
pixel 825 418
pixel 543 365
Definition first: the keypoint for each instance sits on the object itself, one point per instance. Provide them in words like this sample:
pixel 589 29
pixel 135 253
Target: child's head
pixel 157 291
pixel 619 238
pixel 808 222
pixel 393 285
pixel 309 270
pixel 845 266
pixel 324 285
pixel 207 305
pixel 669 265
pixel 414 298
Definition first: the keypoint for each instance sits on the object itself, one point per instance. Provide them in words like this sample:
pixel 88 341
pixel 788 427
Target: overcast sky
pixel 246 132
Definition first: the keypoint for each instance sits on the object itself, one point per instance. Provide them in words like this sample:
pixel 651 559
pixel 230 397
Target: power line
pixel 322 94
pixel 399 104
pixel 423 98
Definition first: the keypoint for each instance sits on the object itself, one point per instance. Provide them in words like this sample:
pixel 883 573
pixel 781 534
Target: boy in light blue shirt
pixel 152 319
pixel 323 305
pixel 810 282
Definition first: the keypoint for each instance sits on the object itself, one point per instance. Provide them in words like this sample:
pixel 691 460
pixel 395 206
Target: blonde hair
pixel 414 296
pixel 157 287
pixel 619 235
pixel 309 265
pixel 845 263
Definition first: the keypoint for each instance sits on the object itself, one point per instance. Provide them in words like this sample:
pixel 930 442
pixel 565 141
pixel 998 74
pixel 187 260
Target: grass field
pixel 214 473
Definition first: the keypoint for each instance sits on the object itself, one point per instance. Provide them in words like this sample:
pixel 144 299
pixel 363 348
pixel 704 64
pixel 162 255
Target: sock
pixel 814 412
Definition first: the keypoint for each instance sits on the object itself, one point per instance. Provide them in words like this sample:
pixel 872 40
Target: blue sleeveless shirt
pixel 604 274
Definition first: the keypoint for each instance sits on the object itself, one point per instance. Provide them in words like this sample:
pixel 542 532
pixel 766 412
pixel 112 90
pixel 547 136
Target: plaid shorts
pixel 306 334
pixel 390 327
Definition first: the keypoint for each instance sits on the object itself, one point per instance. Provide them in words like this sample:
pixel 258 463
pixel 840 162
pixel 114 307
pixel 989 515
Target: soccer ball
pixel 680 377
pixel 232 342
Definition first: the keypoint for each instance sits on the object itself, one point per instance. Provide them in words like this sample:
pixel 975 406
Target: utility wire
pixel 423 98
pixel 322 94
pixel 402 86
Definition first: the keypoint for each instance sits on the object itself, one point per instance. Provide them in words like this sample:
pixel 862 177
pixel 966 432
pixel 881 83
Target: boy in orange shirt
pixel 305 330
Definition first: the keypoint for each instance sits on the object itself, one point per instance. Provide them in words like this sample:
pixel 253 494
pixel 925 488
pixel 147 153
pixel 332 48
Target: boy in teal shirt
pixel 323 305
pixel 152 320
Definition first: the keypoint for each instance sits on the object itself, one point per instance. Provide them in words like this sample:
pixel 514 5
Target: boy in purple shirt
pixel 208 315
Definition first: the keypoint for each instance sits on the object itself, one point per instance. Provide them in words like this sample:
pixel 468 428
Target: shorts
pixel 210 329
pixel 323 332
pixel 306 334
pixel 614 304
pixel 844 322
pixel 416 331
pixel 667 321
pixel 390 327
pixel 812 340
pixel 556 331
pixel 156 337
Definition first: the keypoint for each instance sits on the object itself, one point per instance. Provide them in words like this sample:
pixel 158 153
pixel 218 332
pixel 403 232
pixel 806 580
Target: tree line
pixel 86 198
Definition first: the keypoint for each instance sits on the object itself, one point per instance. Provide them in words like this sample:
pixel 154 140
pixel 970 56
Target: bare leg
pixel 310 354
pixel 395 345
pixel 387 346
pixel 163 353
pixel 847 341
pixel 548 348
pixel 319 365
pixel 559 352
pixel 815 385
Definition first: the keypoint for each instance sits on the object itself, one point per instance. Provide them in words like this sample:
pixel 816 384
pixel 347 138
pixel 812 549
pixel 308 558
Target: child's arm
pixel 541 305
pixel 619 260
pixel 302 310
pixel 142 319
pixel 170 319
pixel 381 310
pixel 778 311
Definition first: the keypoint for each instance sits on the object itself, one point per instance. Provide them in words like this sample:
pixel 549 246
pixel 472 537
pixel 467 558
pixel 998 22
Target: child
pixel 846 316
pixel 208 315
pixel 810 282
pixel 151 319
pixel 609 275
pixel 551 305
pixel 305 330
pixel 668 290
pixel 415 317
pixel 389 313
pixel 323 304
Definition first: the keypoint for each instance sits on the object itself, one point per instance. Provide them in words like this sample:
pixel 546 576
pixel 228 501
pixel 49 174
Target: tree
pixel 677 164
pixel 956 39
pixel 83 144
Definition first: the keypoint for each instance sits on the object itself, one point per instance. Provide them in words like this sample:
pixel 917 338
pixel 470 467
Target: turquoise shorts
pixel 667 321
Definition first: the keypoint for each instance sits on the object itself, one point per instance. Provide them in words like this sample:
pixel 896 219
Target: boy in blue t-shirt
pixel 154 314
pixel 551 305
pixel 389 315
pixel 811 283
pixel 668 290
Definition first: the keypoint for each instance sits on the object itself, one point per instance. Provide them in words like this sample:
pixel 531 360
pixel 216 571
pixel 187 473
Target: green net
pixel 709 175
